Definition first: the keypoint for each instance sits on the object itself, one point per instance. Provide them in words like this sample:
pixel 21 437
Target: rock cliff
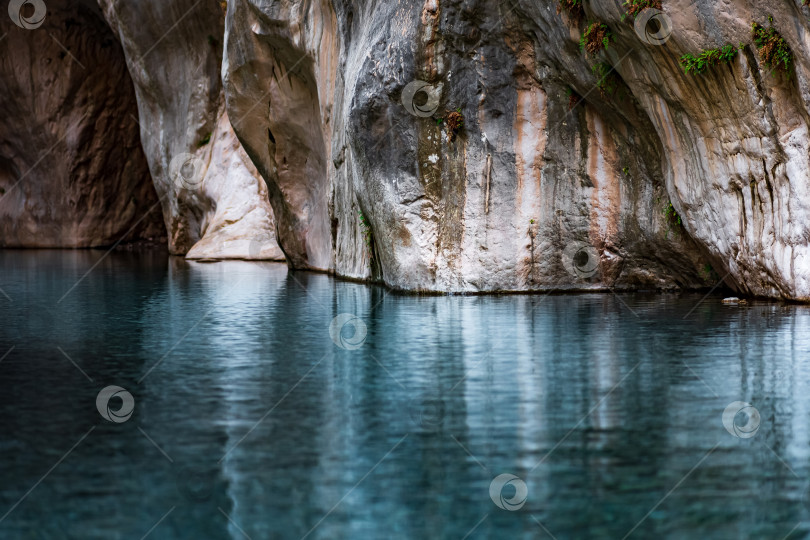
pixel 571 170
pixel 214 203
pixel 474 145
pixel 72 171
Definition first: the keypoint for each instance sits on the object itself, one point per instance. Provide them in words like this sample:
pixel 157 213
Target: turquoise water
pixel 251 420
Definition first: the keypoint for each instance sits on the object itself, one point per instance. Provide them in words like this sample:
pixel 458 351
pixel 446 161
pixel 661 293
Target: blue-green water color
pixel 251 420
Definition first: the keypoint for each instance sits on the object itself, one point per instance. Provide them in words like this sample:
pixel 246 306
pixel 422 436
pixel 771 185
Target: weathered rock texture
pixel 173 51
pixel 528 193
pixel 72 171
pixel 527 183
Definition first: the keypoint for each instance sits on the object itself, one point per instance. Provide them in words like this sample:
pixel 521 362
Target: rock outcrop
pixel 473 146
pixel 72 171
pixel 214 203
pixel 656 179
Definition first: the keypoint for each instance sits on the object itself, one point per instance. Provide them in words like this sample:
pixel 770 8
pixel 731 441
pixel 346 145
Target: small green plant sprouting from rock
pixel 773 49
pixel 672 214
pixel 634 7
pixel 626 171
pixel 708 58
pixel 531 222
pixel 597 36
pixel 454 122
pixel 606 80
pixel 673 219
pixel 574 8
pixel 365 226
pixel 573 98
pixel 205 140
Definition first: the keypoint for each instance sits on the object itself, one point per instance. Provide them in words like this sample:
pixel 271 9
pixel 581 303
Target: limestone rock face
pixel 215 205
pixel 72 171
pixel 472 145
pixel 656 179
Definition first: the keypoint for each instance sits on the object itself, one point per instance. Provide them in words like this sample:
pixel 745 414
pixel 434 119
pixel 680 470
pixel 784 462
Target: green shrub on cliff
pixel 365 228
pixel 634 7
pixel 597 36
pixel 708 58
pixel 773 49
pixel 606 80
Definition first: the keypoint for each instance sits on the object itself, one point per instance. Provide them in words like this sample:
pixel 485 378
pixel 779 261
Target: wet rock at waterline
pixel 474 146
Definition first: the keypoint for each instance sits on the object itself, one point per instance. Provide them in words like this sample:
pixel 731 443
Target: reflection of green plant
pixel 773 49
pixel 708 58
pixel 634 7
pixel 597 36
pixel 606 80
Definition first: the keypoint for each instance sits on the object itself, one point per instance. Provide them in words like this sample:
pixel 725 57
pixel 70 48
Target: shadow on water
pixel 291 404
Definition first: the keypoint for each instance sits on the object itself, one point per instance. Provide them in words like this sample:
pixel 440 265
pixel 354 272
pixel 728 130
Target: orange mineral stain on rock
pixel 531 119
pixel 603 164
pixel 430 47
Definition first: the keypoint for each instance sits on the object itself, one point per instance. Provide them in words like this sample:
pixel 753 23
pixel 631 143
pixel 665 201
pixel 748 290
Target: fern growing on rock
pixel 634 7
pixel 574 8
pixel 708 58
pixel 597 36
pixel 773 49
pixel 606 80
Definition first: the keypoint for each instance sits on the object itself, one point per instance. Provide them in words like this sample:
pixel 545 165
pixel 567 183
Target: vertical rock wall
pixel 72 171
pixel 214 203
pixel 658 179
pixel 472 146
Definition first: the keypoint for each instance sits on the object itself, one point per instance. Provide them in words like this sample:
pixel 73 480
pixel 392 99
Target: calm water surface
pixel 250 421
